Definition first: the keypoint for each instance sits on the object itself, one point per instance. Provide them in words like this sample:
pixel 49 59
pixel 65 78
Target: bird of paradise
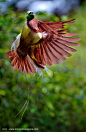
pixel 41 43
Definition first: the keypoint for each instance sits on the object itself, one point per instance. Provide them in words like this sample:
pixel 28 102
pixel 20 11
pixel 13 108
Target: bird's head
pixel 30 15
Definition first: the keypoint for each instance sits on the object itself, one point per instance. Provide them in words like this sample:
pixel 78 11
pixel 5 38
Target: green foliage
pixel 57 102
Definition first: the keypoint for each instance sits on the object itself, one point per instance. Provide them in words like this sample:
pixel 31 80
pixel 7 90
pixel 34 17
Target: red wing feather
pixel 67 38
pixel 46 57
pixel 52 57
pixel 54 47
pixel 24 64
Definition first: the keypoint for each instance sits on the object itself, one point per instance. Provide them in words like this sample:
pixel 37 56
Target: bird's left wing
pixel 54 45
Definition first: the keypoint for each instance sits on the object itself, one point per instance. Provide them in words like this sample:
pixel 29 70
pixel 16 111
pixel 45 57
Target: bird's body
pixel 29 35
pixel 44 42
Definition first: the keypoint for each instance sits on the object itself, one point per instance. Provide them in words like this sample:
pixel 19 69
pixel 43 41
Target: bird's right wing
pixel 55 46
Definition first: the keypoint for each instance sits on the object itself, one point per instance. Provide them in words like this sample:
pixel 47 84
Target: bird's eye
pixel 31 13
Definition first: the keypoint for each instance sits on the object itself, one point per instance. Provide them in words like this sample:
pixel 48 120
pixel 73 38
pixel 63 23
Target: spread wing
pixel 55 44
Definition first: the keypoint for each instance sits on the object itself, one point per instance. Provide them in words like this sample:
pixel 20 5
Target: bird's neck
pixel 29 18
pixel 26 30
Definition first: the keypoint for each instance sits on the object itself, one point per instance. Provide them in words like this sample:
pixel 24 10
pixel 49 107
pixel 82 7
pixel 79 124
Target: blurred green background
pixel 57 102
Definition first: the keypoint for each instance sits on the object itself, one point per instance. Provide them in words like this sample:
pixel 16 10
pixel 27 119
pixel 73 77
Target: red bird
pixel 44 42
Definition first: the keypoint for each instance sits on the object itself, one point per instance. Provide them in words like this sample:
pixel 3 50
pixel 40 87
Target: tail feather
pixel 24 64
